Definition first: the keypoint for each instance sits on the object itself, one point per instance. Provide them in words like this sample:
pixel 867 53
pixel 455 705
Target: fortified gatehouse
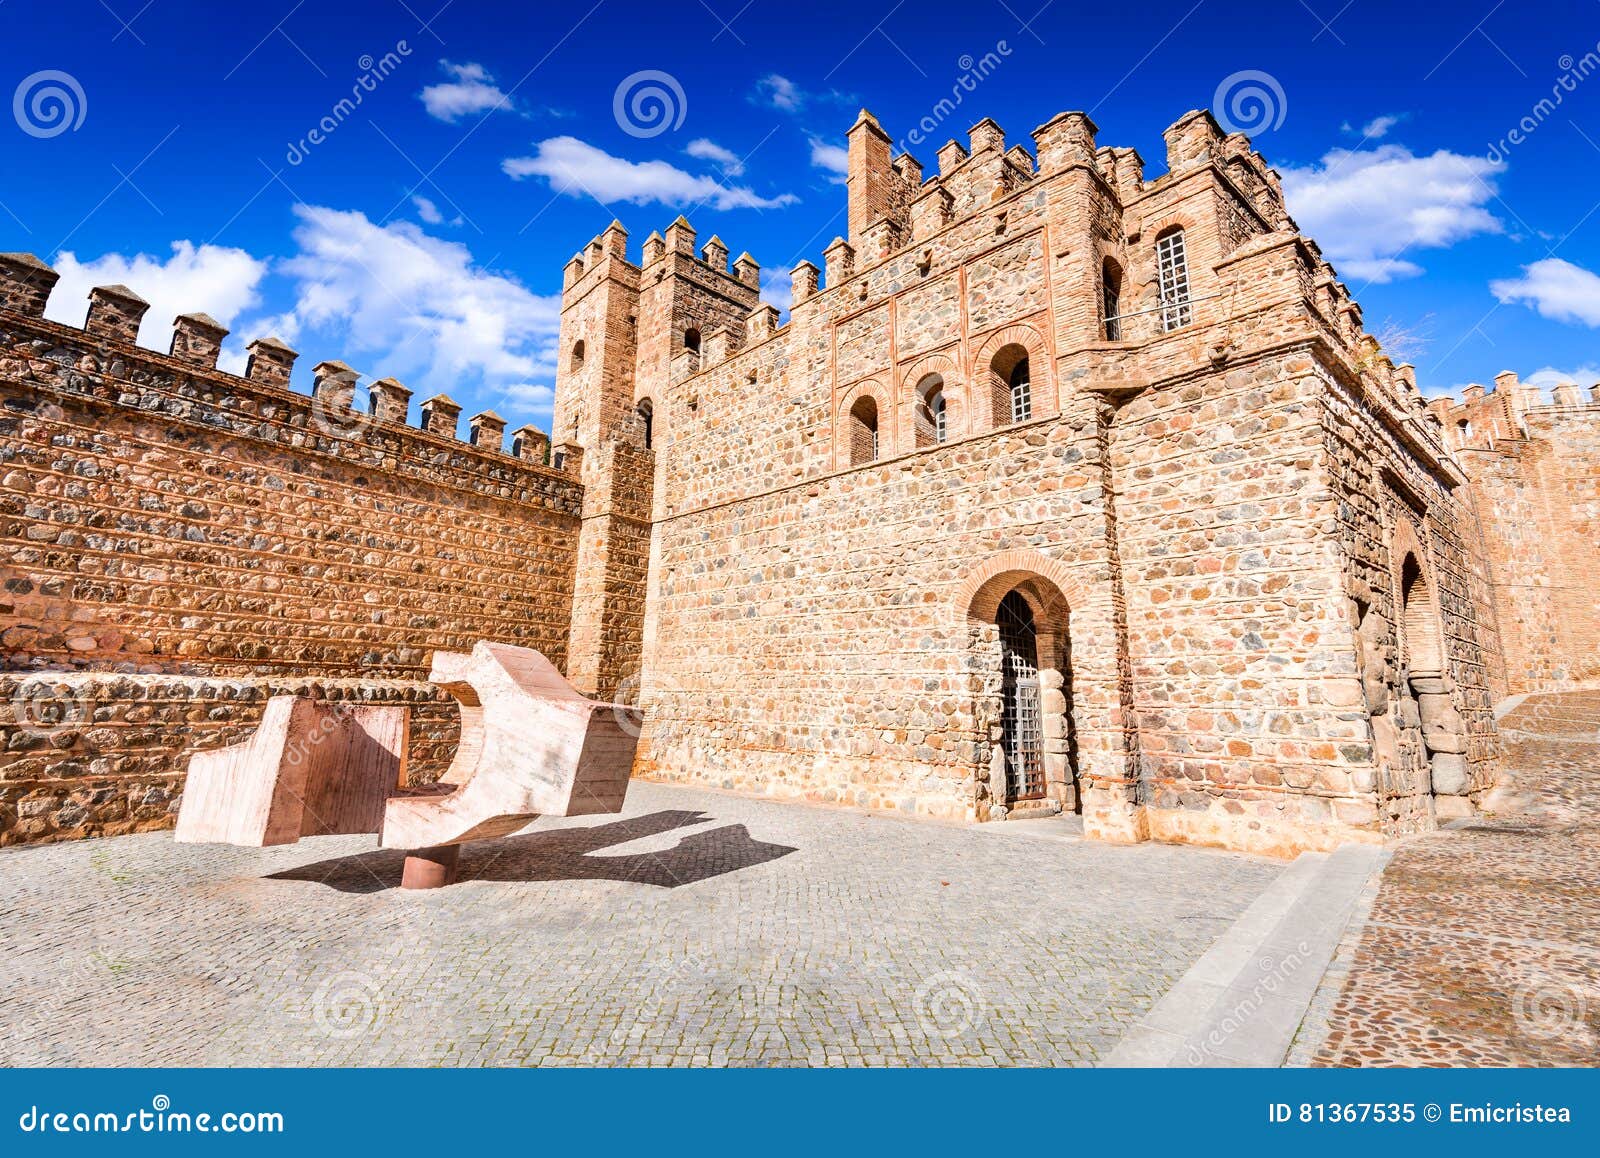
pixel 1060 488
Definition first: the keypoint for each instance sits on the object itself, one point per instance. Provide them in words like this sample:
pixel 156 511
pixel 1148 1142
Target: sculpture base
pixel 431 868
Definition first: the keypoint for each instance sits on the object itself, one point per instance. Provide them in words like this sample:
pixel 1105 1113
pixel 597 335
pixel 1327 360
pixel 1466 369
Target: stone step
pixel 1242 1001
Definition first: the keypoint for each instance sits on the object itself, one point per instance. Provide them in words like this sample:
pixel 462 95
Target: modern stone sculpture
pixel 311 768
pixel 531 745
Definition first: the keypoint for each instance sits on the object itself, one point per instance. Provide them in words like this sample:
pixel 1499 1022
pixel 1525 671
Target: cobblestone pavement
pixel 1483 944
pixel 699 928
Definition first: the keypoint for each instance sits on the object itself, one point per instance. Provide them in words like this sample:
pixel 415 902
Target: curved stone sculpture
pixel 311 768
pixel 531 745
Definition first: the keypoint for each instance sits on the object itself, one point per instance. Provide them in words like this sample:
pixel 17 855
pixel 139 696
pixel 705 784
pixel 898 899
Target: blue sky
pixel 420 231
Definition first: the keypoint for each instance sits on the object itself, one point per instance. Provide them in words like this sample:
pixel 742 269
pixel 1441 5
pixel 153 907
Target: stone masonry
pixel 1060 488
pixel 180 544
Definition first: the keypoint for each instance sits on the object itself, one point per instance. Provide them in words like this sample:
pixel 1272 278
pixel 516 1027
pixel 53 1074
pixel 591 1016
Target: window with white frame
pixel 862 444
pixel 932 427
pixel 1172 267
pixel 1021 393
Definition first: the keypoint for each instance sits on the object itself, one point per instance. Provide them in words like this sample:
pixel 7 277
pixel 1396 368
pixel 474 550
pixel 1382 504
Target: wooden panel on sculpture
pixel 309 769
pixel 531 745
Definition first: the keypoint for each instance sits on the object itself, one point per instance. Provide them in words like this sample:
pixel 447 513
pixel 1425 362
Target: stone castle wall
pixel 1272 611
pixel 1534 461
pixel 160 518
pixel 817 625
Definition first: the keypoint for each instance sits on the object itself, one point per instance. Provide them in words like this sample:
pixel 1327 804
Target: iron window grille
pixel 1172 266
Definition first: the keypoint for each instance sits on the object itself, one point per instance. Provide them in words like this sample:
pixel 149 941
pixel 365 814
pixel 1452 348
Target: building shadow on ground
pixel 564 854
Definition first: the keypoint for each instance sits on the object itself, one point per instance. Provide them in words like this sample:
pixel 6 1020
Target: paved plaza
pixel 714 929
pixel 1482 946
pixel 698 928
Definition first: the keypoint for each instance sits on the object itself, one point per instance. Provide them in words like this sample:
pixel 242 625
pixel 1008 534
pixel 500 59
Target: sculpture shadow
pixel 563 854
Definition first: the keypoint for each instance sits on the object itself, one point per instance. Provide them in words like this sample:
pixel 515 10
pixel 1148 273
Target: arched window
pixel 1011 385
pixel 1111 299
pixel 647 416
pixel 577 356
pixel 1172 269
pixel 933 411
pixel 864 431
pixel 1021 393
pixel 691 339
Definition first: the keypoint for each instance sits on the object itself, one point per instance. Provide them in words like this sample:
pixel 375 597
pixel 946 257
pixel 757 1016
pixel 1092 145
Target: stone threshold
pixel 1243 1002
pixel 1036 825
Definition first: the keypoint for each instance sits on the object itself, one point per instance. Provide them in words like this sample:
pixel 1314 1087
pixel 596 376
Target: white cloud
pixel 1367 208
pixel 775 91
pixel 430 213
pixel 397 302
pixel 207 279
pixel 533 395
pixel 1548 376
pixel 708 150
pixel 777 288
pixel 833 159
pixel 578 168
pixel 780 92
pixel 1377 128
pixel 1556 288
pixel 472 91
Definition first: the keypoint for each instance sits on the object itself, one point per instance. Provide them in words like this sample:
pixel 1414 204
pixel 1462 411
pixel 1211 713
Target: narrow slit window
pixel 1111 300
pixel 932 412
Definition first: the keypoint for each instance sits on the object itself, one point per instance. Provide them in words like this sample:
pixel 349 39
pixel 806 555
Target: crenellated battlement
pixel 1250 275
pixel 162 516
pixel 107 346
pixel 1498 416
pixel 606 255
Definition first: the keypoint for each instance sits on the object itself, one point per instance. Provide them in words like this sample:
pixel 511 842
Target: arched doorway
pixel 1443 729
pixel 1018 618
pixel 1419 617
pixel 1021 715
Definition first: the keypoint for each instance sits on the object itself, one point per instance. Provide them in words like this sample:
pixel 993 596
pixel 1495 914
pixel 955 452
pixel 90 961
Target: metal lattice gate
pixel 1022 717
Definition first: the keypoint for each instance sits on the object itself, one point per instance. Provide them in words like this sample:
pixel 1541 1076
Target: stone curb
pixel 1243 1001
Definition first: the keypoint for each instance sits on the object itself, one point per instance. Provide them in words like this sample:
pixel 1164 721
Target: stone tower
pixel 627 333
